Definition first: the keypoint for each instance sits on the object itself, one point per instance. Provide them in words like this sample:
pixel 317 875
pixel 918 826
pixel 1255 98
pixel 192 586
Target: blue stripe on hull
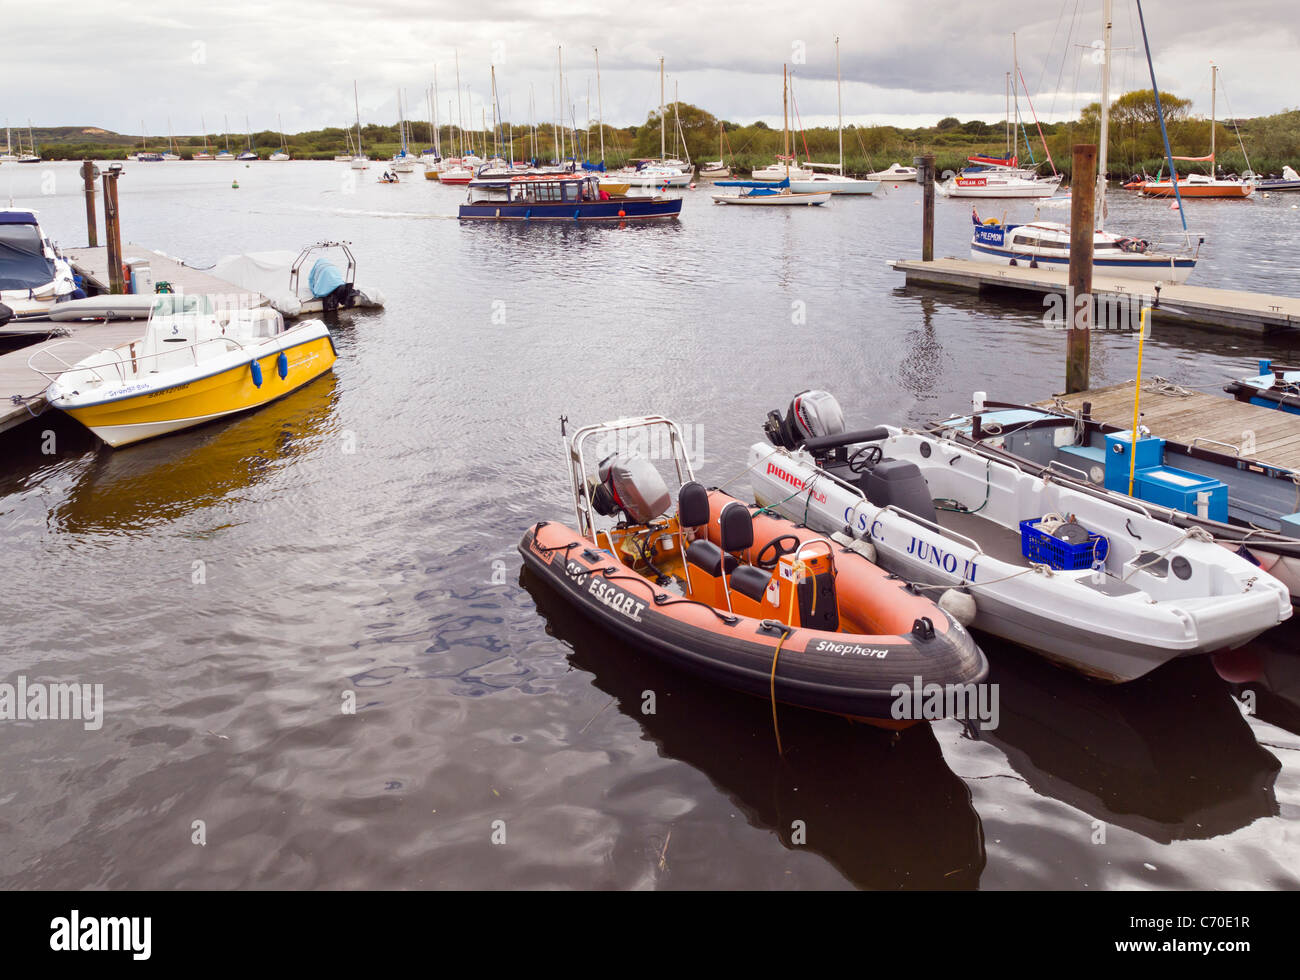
pixel 1049 260
pixel 1265 403
pixel 572 210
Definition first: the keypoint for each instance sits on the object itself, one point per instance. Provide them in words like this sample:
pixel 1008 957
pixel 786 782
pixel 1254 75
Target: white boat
pixel 34 278
pixel 1046 245
pixel 830 176
pixel 782 171
pixel 653 174
pixel 195 363
pixel 768 195
pixel 8 156
pixel 895 172
pixel 282 154
pixel 358 160
pixel 296 287
pixel 1132 592
pixel 998 181
pixel 205 153
pixel 226 155
pixel 403 162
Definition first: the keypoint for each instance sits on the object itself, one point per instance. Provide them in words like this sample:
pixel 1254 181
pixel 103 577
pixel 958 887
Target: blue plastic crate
pixel 1055 553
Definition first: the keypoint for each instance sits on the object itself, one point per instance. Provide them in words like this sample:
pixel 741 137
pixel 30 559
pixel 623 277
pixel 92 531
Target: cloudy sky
pixel 115 64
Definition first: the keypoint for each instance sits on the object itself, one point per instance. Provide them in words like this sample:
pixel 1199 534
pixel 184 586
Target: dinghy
pixel 296 288
pixel 1105 589
pixel 746 599
pixel 1249 509
pixel 1276 386
pixel 194 364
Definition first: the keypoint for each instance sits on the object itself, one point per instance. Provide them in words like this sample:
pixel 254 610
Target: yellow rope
pixel 798 569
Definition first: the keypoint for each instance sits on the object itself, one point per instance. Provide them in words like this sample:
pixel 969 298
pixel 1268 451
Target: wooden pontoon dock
pixel 1265 435
pixel 1224 309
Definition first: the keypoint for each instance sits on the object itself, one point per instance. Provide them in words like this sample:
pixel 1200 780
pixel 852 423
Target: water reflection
pixel 1265 675
pixel 888 813
pixel 157 481
pixel 1169 756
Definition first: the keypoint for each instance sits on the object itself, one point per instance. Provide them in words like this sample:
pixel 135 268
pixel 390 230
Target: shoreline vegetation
pixel 1135 145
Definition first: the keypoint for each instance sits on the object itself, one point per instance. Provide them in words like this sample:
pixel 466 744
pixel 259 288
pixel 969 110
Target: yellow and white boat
pixel 194 364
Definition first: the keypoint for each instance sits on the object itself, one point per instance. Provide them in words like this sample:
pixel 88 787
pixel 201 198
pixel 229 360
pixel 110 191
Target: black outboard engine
pixel 631 485
pixel 812 414
pixel 6 314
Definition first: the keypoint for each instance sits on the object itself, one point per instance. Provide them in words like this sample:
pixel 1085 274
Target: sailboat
pixel 205 153
pixel 31 156
pixel 171 155
pixel 359 159
pixel 768 193
pixel 226 154
pixel 662 172
pixel 144 154
pixel 1046 244
pixel 1201 185
pixel 835 179
pixel 8 155
pixel 281 154
pixel 714 169
pixel 250 153
pixel 1003 177
pixel 403 161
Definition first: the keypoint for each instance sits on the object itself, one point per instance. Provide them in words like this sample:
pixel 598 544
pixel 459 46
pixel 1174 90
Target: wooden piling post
pixel 88 174
pixel 925 176
pixel 113 232
pixel 1080 306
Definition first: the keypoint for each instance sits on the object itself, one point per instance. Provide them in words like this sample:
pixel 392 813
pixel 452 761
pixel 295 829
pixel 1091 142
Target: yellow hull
pixel 431 175
pixel 205 398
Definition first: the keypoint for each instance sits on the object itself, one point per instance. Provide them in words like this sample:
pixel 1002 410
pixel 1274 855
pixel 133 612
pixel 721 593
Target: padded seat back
pixel 692 505
pixel 736 527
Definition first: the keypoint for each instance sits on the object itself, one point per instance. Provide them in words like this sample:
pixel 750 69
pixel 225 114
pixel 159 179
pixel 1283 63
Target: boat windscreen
pixel 173 304
pixel 23 264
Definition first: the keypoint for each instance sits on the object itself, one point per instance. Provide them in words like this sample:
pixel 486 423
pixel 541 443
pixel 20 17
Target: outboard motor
pixel 812 414
pixel 631 485
pixel 6 314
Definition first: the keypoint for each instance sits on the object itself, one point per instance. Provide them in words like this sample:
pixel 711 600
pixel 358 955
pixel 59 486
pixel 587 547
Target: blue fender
pixel 256 370
pixel 282 366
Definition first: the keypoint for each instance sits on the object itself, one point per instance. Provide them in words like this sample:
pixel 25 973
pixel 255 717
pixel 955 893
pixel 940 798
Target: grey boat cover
pixel 23 264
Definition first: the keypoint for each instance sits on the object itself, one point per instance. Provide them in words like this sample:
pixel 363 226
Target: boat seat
pixel 693 512
pixel 751 581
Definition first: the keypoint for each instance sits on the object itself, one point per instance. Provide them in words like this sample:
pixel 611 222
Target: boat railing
pixel 119 358
pixel 1236 450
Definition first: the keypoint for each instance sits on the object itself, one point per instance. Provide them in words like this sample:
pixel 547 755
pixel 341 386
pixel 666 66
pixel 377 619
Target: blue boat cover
pixel 23 264
pixel 324 278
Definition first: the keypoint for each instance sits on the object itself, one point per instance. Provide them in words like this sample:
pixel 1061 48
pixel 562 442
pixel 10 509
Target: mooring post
pixel 1080 306
pixel 925 174
pixel 88 174
pixel 113 231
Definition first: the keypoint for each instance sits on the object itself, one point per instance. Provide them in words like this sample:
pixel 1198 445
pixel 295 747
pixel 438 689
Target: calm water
pixel 388 573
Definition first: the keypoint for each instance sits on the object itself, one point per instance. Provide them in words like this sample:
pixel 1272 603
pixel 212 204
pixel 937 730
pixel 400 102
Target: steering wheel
pixel 778 546
pixel 873 455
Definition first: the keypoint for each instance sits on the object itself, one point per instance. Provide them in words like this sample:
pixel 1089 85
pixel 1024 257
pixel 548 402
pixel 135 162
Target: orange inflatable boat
pixel 739 596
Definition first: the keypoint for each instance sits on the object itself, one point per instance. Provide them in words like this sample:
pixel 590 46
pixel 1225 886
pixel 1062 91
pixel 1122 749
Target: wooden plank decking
pixel 1225 309
pixel 92 263
pixel 21 388
pixel 1186 417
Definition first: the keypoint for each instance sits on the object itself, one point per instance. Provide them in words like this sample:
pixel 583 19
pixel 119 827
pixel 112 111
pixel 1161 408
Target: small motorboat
pixel 774 194
pixel 1245 507
pixel 195 364
pixel 296 288
pixel 741 597
pixel 895 172
pixel 387 177
pixel 1000 177
pixel 1107 589
pixel 34 277
pixel 1277 386
pixel 834 181
pixel 1289 181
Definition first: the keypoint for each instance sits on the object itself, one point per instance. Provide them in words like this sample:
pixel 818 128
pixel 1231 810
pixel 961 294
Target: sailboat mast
pixel 460 111
pixel 433 110
pixel 839 102
pixel 663 119
pixel 496 128
pixel 1008 122
pixel 1104 139
pixel 1015 93
pixel 600 108
pixel 785 120
pixel 1214 79
pixel 559 125
pixel 356 103
pixel 226 121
